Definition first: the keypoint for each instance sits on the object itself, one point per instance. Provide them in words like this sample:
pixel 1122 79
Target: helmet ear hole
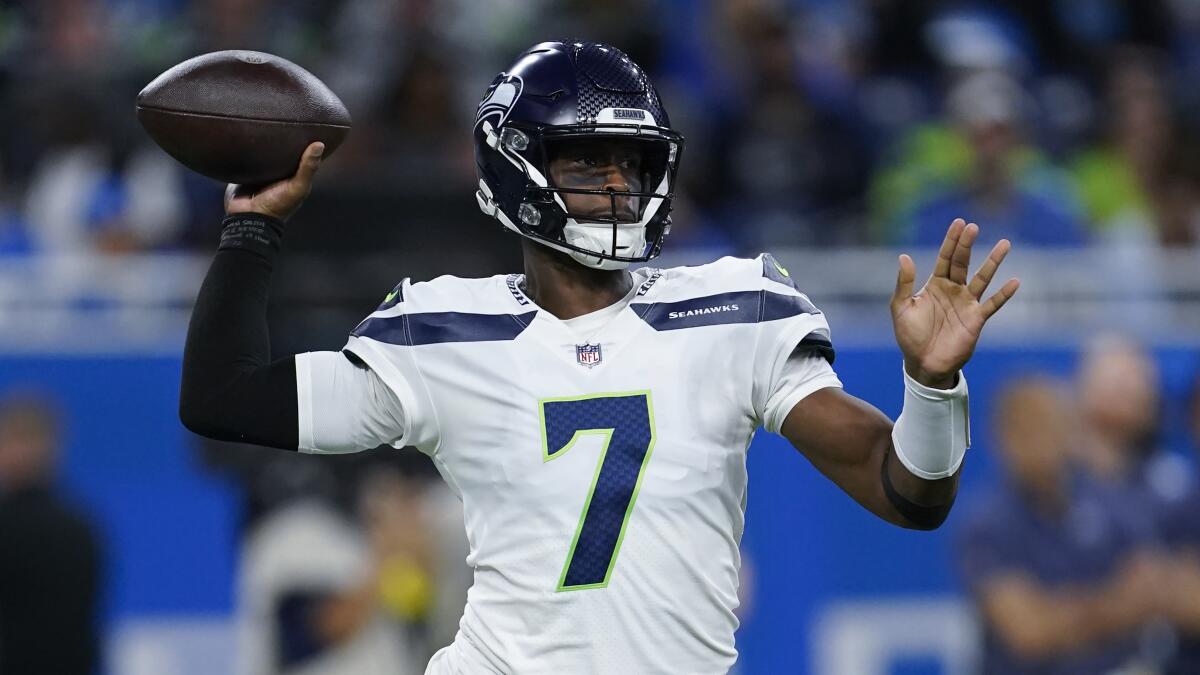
pixel 530 215
pixel 515 139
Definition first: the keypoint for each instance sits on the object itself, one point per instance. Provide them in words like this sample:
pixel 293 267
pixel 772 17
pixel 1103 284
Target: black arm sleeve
pixel 231 390
pixel 920 517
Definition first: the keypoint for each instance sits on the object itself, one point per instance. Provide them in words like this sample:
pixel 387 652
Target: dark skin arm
pixel 937 329
pixel 846 439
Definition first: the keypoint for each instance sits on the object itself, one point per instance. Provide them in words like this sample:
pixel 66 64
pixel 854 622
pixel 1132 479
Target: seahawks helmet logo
pixel 501 96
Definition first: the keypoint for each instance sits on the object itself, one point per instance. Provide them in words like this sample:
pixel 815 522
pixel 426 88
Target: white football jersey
pixel 601 461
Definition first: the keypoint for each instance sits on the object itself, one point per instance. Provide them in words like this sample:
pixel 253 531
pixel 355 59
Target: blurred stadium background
pixel 834 133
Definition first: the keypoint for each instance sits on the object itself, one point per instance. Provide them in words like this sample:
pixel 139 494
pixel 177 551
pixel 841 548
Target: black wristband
pixel 921 517
pixel 254 232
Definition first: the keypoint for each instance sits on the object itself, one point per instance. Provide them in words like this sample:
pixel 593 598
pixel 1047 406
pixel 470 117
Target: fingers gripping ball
pixel 241 116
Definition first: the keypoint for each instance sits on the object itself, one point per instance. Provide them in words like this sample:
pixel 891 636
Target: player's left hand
pixel 937 329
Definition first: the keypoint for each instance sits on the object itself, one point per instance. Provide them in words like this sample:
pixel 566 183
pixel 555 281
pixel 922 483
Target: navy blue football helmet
pixel 572 91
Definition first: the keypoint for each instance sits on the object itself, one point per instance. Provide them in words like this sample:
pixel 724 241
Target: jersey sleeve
pixel 344 407
pixel 391 401
pixel 804 372
pixel 794 353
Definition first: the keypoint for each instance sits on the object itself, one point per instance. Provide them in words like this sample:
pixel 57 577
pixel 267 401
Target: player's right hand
pixel 279 199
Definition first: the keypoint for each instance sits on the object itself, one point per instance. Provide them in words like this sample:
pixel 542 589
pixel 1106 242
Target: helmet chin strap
pixel 631 241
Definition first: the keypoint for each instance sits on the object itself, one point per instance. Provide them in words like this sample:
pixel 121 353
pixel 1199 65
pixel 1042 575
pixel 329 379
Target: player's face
pixel 1120 393
pixel 1035 432
pixel 598 164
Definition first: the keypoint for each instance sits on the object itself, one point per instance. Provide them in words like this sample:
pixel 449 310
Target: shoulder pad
pixel 725 275
pixel 448 293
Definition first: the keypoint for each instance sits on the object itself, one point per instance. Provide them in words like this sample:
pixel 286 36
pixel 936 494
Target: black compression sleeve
pixel 231 390
pixel 921 517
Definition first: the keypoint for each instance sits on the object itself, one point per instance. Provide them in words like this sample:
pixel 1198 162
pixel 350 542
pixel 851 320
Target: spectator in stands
pixel 776 168
pixel 1000 181
pixel 1119 390
pixel 1118 387
pixel 91 183
pixel 321 592
pixel 1050 559
pixel 308 598
pixel 1120 406
pixel 415 525
pixel 1138 184
pixel 50 555
pixel 1119 395
pixel 420 128
pixel 88 190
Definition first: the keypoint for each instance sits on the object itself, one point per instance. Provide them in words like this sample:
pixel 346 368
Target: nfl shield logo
pixel 587 355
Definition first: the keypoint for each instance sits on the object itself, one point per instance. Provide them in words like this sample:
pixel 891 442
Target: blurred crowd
pixel 1086 558
pixel 809 122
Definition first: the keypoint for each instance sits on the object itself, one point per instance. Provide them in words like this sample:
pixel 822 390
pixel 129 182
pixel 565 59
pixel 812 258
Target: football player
pixel 592 417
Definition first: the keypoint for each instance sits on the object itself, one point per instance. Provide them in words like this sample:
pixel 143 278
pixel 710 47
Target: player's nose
pixel 615 179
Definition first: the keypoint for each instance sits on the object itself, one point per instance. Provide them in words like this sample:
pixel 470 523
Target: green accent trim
pixel 395 293
pixel 587 504
pixel 780 268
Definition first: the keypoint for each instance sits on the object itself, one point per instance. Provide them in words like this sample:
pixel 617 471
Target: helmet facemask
pixel 605 227
pixel 609 188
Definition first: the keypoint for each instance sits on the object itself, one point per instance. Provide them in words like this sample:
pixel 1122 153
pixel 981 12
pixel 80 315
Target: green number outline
pixel 587 504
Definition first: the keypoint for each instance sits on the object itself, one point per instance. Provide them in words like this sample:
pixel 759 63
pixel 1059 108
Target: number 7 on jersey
pixel 626 420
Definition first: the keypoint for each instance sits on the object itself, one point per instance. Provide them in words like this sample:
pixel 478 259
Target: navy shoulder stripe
pixel 442 327
pixel 780 306
pixel 723 308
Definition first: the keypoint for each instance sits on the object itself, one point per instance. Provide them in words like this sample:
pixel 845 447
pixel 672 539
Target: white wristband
pixel 933 432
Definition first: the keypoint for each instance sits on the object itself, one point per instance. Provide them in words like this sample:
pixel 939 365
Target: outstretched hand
pixel 281 198
pixel 937 329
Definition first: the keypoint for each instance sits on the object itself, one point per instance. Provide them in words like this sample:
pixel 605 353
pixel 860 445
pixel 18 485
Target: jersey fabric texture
pixel 601 461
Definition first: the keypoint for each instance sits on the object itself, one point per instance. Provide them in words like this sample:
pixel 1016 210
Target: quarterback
pixel 592 416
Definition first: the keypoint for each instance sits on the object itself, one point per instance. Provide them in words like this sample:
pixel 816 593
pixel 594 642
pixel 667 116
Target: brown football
pixel 241 116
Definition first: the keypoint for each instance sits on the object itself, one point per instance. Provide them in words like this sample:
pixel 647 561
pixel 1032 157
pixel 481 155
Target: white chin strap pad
pixel 631 241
